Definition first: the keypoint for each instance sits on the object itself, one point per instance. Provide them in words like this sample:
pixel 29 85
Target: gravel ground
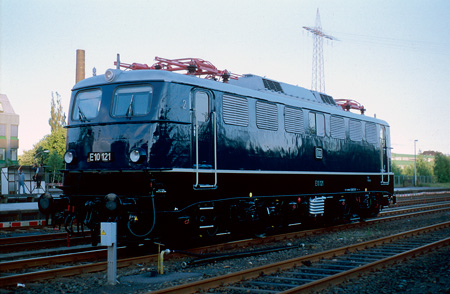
pixel 426 274
pixel 420 275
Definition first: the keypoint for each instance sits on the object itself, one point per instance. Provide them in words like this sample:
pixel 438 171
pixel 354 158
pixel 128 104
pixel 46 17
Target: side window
pixel 14 131
pixel 317 124
pixel 201 106
pixel 320 122
pixel 13 154
pixel 132 101
pixel 3 140
pixel 383 136
pixel 86 105
pixel 312 123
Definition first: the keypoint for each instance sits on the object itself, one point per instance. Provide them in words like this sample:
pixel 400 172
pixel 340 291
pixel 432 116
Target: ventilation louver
pixel 327 99
pixel 272 86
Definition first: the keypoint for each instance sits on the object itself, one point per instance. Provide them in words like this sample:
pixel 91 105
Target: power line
pixel 397 43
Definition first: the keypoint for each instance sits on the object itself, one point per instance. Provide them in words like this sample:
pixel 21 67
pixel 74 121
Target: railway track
pixel 13 244
pixel 13 278
pixel 422 198
pixel 320 270
pixel 23 243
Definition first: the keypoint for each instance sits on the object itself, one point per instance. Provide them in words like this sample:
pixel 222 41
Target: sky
pixel 391 56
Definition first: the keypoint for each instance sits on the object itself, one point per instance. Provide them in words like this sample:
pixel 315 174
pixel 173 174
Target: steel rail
pixel 215 282
pixel 33 238
pixel 405 200
pixel 68 271
pixel 53 260
pixel 353 273
pixel 53 236
pixel 414 209
pixel 43 244
pixel 48 274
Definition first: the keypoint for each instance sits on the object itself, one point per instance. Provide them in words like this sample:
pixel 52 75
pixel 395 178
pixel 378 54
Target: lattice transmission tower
pixel 318 75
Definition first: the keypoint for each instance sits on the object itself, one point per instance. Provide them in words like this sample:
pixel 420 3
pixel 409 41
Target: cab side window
pixel 201 106
pixel 317 124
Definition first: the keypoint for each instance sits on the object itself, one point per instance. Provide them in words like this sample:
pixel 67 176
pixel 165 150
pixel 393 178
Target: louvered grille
pixel 327 99
pixel 355 130
pixel 272 85
pixel 235 110
pixel 293 120
pixel 371 133
pixel 337 127
pixel 266 116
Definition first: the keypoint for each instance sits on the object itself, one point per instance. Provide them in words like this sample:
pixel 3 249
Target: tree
pixel 27 157
pixel 55 142
pixel 442 167
pixel 396 169
pixel 423 167
pixel 55 162
pixel 57 116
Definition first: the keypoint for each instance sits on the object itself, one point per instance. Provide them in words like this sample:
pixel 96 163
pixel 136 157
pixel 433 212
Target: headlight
pixel 69 157
pixel 45 203
pixel 112 202
pixel 110 75
pixel 137 155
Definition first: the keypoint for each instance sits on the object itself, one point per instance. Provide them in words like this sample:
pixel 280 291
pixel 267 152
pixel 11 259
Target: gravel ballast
pixel 424 274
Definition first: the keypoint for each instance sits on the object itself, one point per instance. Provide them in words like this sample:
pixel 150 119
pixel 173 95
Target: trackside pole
pixel 108 237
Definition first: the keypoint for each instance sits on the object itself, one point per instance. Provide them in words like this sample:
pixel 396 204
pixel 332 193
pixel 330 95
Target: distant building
pixel 9 132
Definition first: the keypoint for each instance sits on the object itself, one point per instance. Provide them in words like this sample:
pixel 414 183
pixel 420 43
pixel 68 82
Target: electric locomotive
pixel 169 155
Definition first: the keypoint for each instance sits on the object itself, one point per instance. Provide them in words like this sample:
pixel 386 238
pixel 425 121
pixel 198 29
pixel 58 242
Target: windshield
pixel 87 105
pixel 132 101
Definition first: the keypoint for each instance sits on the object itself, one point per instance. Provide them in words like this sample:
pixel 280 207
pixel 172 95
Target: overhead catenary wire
pixel 395 43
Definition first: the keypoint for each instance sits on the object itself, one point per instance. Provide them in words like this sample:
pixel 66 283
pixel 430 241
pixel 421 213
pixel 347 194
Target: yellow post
pixel 160 263
pixel 161 259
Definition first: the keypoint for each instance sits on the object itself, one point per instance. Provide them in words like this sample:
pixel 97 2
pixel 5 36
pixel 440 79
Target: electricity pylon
pixel 318 76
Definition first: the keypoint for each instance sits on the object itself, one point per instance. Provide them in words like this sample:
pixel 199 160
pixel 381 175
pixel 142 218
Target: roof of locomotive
pixel 247 85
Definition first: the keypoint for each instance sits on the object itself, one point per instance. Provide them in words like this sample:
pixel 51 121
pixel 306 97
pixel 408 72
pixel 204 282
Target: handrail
pixel 197 185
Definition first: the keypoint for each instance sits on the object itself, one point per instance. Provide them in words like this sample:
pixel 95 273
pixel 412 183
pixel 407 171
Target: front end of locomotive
pixel 111 134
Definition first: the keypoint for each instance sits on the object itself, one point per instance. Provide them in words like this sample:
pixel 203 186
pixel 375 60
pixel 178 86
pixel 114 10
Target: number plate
pixel 100 157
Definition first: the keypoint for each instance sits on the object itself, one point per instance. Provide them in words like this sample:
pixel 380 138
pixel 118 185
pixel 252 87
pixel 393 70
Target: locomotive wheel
pixel 347 212
pixel 212 232
pixel 372 210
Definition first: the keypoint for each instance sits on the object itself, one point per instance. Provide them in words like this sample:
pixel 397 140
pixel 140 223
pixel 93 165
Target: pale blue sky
pixel 392 56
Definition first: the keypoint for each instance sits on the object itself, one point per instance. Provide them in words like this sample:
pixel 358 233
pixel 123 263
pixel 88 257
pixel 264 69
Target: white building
pixel 9 132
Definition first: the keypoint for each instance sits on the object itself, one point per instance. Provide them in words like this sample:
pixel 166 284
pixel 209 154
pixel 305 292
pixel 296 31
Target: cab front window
pixel 86 105
pixel 132 101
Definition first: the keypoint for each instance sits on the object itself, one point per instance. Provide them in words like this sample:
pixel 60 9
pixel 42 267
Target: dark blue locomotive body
pixel 164 154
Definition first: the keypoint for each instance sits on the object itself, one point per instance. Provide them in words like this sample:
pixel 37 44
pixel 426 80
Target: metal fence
pixel 408 181
pixel 10 178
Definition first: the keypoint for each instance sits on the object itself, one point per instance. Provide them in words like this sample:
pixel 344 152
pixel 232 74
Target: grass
pixel 431 185
pixel 437 185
